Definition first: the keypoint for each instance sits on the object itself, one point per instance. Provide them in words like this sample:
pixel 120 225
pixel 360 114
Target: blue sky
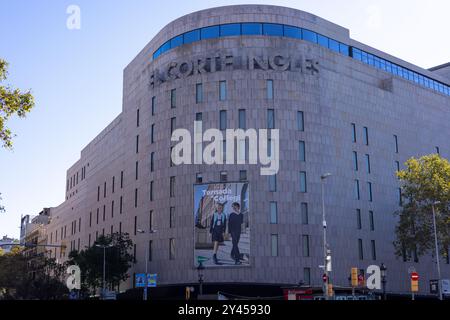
pixel 76 75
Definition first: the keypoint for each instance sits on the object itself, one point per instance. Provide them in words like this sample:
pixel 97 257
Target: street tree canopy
pixel 425 183
pixel 13 102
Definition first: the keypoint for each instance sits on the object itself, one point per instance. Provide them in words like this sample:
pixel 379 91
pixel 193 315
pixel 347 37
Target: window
pixel 173 98
pixel 171 248
pixel 210 32
pixel 134 255
pixel 374 250
pixel 368 163
pixel 251 29
pixel 369 191
pixel 292 32
pixel 104 189
pixel 137 144
pixel 399 195
pixel 360 249
pixel 104 212
pixel 353 132
pixel 223 119
pixel 270 119
pixel 98 214
pixel 177 41
pixel 199 93
pixel 135 225
pixel 269 85
pixel 112 209
pixel 397 166
pixel 357 194
pixel 135 197
pixel 242 122
pixel 222 90
pixel 152 162
pixel 137 118
pixel 120 205
pixel 371 221
pixel 303 187
pixel 172 217
pixel 333 45
pixel 152 133
pixel 271 29
pixel 305 245
pixel 300 121
pixel 322 40
pixel 137 170
pixel 243 175
pixel 358 219
pixel 355 160
pixel 274 245
pixel 120 227
pixel 173 124
pixel 304 213
pixel 153 105
pixel 121 179
pixel 307 276
pixel 273 213
pixel 272 183
pixel 366 136
pixel 198 116
pixel 113 185
pixel 301 151
pixel 90 219
pixel 223 176
pixel 151 190
pixel 437 150
pixel 198 178
pixel 396 143
pixel 232 29
pixel 192 36
pixel 151 222
pixel 98 193
pixel 150 250
pixel 172 186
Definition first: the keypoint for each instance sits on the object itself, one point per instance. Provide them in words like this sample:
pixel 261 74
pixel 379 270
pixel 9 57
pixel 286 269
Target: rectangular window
pixel 198 116
pixel 199 93
pixel 242 122
pixel 301 151
pixel 172 187
pixel 121 179
pixel 272 183
pixel 437 150
pixel 360 249
pixel 171 248
pixel 137 170
pixel 135 225
pixel 120 227
pixel 300 121
pixel 374 250
pixel 357 194
pixel 137 118
pixel 172 217
pixel 134 255
pixel 151 221
pixel 98 193
pixel 304 212
pixel 292 32
pixel 223 119
pixel 272 29
pixel 307 276
pixel 223 176
pixel 251 28
pixel 153 105
pixel 113 184
pixel 243 175
pixel 397 166
pixel 396 143
pixel 104 189
pixel 371 221
pixel 355 161
pixel 152 133
pixel 303 187
pixel 222 90
pixel 273 213
pixel 366 136
pixel 173 98
pixel 209 32
pixel 305 245
pixel 98 212
pixel 232 29
pixel 150 250
pixel 173 124
pixel 270 119
pixel 152 162
pixel 353 132
pixel 137 144
pixel 274 245
pixel 198 178
pixel 358 219
pixel 90 219
pixel 151 190
pixel 399 195
pixel 269 85
pixel 368 163
pixel 120 205
pixel 369 190
pixel 112 209
pixel 104 212
pixel 135 197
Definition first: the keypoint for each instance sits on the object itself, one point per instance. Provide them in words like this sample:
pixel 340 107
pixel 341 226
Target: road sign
pixel 434 286
pixel 151 280
pixel 354 277
pixel 140 280
pixel 414 276
pixel 414 286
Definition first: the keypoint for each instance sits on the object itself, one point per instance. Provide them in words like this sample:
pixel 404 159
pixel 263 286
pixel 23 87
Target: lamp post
pixel 200 269
pixel 104 266
pixel 326 253
pixel 146 260
pixel 437 250
pixel 383 279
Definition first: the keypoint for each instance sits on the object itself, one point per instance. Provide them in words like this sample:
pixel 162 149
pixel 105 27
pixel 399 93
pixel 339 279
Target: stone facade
pixel 344 91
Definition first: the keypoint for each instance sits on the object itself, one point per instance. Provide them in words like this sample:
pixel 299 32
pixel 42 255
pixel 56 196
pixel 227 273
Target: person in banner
pixel 235 220
pixel 217 229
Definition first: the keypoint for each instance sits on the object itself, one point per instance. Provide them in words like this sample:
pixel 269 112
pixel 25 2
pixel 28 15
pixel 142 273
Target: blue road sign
pixel 140 280
pixel 151 279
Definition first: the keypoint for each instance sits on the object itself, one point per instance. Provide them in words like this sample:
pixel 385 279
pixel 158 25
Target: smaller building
pixel 33 234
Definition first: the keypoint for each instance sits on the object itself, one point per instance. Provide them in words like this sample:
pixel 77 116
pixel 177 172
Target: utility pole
pixel 437 250
pixel 146 261
pixel 326 255
pixel 104 267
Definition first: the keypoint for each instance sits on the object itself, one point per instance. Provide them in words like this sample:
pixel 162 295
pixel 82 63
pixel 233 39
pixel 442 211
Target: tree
pixel 12 102
pixel 425 182
pixel 118 261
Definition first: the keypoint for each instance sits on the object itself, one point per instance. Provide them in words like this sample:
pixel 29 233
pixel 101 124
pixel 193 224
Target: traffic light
pixel 324 278
pixel 414 282
pixel 354 277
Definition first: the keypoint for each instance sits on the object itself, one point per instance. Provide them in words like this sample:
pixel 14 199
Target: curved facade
pixel 337 111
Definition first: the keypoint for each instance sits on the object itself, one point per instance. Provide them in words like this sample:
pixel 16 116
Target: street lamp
pixel 326 251
pixel 437 249
pixel 383 279
pixel 200 269
pixel 104 265
pixel 146 260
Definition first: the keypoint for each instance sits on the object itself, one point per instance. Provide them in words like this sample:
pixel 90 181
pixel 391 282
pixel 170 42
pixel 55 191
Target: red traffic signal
pixel 414 276
pixel 324 278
